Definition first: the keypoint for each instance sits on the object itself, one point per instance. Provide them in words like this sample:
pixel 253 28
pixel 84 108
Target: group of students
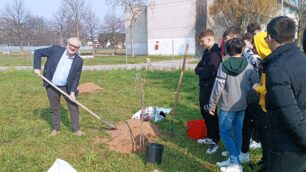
pixel 257 81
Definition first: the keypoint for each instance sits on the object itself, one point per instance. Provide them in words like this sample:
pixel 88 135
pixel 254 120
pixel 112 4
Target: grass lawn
pixel 16 60
pixel 25 124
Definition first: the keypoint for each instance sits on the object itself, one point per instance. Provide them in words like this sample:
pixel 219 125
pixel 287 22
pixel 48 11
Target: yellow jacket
pixel 263 51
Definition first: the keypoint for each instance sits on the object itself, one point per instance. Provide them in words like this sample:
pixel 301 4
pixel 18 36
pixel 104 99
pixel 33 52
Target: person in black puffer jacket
pixel 285 120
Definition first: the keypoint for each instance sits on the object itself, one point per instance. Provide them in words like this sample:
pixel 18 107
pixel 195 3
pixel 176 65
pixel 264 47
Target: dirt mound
pixel 126 139
pixel 88 87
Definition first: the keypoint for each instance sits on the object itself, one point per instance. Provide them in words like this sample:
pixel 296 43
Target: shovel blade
pixel 108 123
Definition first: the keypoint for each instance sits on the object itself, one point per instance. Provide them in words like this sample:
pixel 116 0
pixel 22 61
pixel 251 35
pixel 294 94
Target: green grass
pixel 25 124
pixel 16 60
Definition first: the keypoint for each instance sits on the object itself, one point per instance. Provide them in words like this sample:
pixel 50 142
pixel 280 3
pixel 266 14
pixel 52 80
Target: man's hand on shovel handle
pixel 72 97
pixel 37 72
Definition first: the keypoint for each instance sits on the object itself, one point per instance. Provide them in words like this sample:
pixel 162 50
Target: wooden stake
pixel 179 89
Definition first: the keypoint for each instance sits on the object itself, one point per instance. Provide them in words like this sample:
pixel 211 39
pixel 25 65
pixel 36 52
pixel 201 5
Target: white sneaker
pixel 224 153
pixel 212 148
pixel 244 157
pixel 254 145
pixel 225 163
pixel 205 141
pixel 232 168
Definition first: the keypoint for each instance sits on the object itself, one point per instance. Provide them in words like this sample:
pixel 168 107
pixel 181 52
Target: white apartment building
pixel 166 26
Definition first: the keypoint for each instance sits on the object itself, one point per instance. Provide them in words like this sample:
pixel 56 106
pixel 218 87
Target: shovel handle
pixel 78 103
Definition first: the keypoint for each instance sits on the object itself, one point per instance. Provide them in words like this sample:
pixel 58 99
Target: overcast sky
pixel 47 8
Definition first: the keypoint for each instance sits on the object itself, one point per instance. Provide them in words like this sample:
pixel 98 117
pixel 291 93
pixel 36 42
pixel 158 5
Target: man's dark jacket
pixel 208 66
pixel 285 121
pixel 54 54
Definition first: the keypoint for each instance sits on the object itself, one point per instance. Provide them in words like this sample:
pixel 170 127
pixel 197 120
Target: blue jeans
pixel 230 124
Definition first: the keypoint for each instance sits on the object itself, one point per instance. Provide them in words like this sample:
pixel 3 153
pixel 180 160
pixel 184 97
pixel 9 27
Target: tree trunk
pixel 132 40
pixel 21 43
pixel 78 30
pixel 62 41
pixel 21 50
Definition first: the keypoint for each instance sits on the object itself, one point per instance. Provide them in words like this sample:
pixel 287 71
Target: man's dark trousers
pixel 55 106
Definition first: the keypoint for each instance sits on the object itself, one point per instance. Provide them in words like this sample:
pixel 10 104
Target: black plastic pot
pixel 154 152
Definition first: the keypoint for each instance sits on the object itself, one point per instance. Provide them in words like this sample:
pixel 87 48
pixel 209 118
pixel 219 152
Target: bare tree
pixel 75 10
pixel 38 32
pixel 5 31
pixel 132 10
pixel 298 8
pixel 16 17
pixel 242 12
pixel 69 19
pixel 113 25
pixel 91 23
pixel 60 24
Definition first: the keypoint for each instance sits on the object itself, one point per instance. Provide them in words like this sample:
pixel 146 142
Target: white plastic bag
pixel 61 166
pixel 153 113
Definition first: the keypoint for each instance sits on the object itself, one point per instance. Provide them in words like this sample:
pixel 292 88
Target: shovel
pixel 78 103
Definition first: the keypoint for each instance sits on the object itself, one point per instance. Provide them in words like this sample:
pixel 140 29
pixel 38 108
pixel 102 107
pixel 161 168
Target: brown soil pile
pixel 128 136
pixel 88 87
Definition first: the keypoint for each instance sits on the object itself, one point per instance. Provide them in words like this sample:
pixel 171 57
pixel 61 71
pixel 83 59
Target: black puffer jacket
pixel 208 66
pixel 285 121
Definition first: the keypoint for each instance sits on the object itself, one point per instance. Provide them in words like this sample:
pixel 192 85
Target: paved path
pixel 161 65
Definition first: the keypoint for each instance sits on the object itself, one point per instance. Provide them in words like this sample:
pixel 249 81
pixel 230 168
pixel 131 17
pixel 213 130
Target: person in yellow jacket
pixel 263 51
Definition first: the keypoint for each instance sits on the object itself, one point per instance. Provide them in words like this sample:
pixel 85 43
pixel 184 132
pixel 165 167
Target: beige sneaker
pixel 79 133
pixel 54 133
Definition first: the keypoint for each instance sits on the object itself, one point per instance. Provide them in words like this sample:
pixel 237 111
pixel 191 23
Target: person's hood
pixel 261 45
pixel 234 65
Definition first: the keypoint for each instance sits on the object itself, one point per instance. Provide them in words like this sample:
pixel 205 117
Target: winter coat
pixel 285 121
